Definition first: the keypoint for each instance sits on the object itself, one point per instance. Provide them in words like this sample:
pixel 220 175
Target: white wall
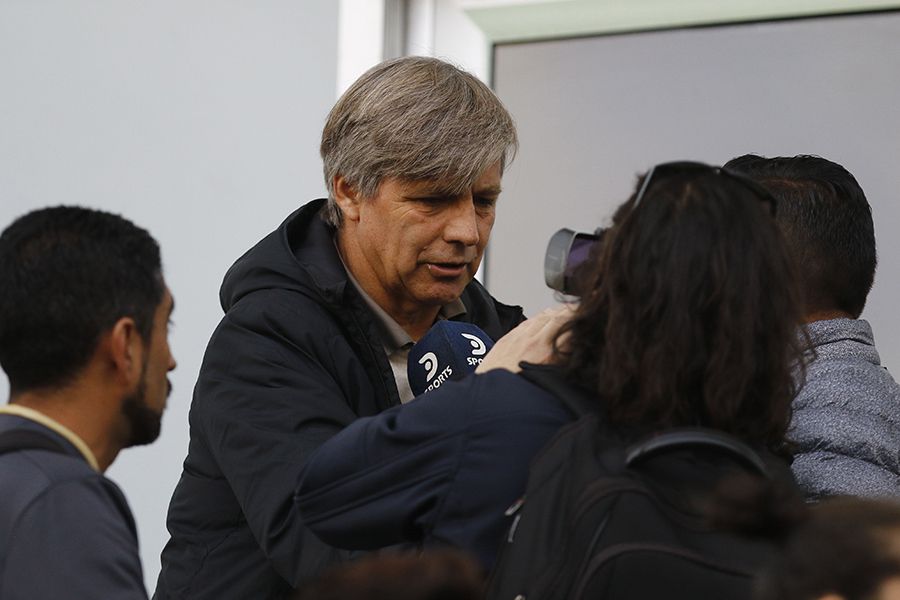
pixel 443 29
pixel 361 39
pixel 198 120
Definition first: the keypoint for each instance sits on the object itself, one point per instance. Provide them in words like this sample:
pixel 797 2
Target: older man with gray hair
pixel 320 315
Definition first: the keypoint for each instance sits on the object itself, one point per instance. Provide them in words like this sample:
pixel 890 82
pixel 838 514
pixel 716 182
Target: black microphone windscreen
pixel 449 350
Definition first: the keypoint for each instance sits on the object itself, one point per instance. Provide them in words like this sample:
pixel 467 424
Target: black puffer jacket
pixel 295 359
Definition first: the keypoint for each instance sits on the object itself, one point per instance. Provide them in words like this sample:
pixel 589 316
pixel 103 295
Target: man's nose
pixel 462 222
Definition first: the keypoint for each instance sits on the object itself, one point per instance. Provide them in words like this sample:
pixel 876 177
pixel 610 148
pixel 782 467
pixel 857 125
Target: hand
pixel 531 341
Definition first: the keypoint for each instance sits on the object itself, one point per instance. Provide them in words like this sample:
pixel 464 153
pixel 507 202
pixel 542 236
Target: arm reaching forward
pixel 532 341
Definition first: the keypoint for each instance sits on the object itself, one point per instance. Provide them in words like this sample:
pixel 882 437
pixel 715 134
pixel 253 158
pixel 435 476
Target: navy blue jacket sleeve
pixel 75 541
pixel 441 469
pixel 382 480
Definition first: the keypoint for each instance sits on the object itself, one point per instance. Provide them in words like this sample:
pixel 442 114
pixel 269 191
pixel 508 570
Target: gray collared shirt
pixel 396 342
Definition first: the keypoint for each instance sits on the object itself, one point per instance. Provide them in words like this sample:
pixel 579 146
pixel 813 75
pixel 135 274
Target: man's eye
pixel 485 201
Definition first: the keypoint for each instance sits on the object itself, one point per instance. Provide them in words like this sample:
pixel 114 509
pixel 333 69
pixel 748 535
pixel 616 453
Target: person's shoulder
pixel 299 256
pixel 71 477
pixel 53 487
pixel 274 305
pixel 82 527
pixel 846 380
pixel 488 313
pixel 497 391
pixel 30 474
pixel 503 379
pixel 507 394
pixel 44 468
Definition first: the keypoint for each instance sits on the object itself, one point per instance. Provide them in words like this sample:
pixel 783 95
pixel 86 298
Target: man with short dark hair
pixel 84 315
pixel 846 418
pixel 321 314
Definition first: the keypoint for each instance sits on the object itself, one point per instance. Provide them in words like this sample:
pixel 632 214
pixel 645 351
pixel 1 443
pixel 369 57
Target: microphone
pixel 450 350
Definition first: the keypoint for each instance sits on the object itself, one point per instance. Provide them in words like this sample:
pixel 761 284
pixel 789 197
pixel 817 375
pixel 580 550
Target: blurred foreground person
pixel 431 575
pixel 84 316
pixel 687 319
pixel 847 549
pixel 846 421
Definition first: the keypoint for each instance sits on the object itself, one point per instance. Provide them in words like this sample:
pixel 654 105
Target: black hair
pixel 827 223
pixel 67 274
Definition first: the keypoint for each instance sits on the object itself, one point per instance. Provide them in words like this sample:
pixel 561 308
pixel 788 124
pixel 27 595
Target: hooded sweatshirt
pixel 297 357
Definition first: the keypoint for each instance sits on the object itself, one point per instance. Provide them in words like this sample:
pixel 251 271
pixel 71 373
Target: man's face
pixel 420 246
pixel 144 408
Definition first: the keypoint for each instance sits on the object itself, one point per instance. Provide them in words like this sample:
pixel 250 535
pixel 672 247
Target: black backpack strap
pixel 681 438
pixel 28 439
pixel 552 380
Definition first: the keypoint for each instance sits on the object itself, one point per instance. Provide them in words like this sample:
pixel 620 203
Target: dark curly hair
pixel 688 313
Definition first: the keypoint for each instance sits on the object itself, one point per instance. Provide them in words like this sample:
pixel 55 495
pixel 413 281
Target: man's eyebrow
pixel 436 191
pixel 430 190
pixel 172 307
pixel 491 190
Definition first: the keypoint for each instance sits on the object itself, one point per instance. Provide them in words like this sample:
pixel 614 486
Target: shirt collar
pixel 835 330
pixel 42 419
pixel 395 337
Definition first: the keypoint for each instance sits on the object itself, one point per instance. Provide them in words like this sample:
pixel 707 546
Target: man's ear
pixel 347 198
pixel 126 348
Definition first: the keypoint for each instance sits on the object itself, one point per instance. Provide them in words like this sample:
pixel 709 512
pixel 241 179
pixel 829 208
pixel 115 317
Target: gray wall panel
pixel 594 112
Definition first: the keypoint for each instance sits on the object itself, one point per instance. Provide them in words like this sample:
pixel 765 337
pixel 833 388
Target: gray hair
pixel 414 118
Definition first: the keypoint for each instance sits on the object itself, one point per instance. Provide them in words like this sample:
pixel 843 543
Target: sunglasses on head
pixel 682 167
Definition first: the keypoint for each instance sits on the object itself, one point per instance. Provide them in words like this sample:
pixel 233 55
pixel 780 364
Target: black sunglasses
pixel 670 168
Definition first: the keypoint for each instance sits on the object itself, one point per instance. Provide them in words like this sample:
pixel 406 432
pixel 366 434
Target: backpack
pixel 602 519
